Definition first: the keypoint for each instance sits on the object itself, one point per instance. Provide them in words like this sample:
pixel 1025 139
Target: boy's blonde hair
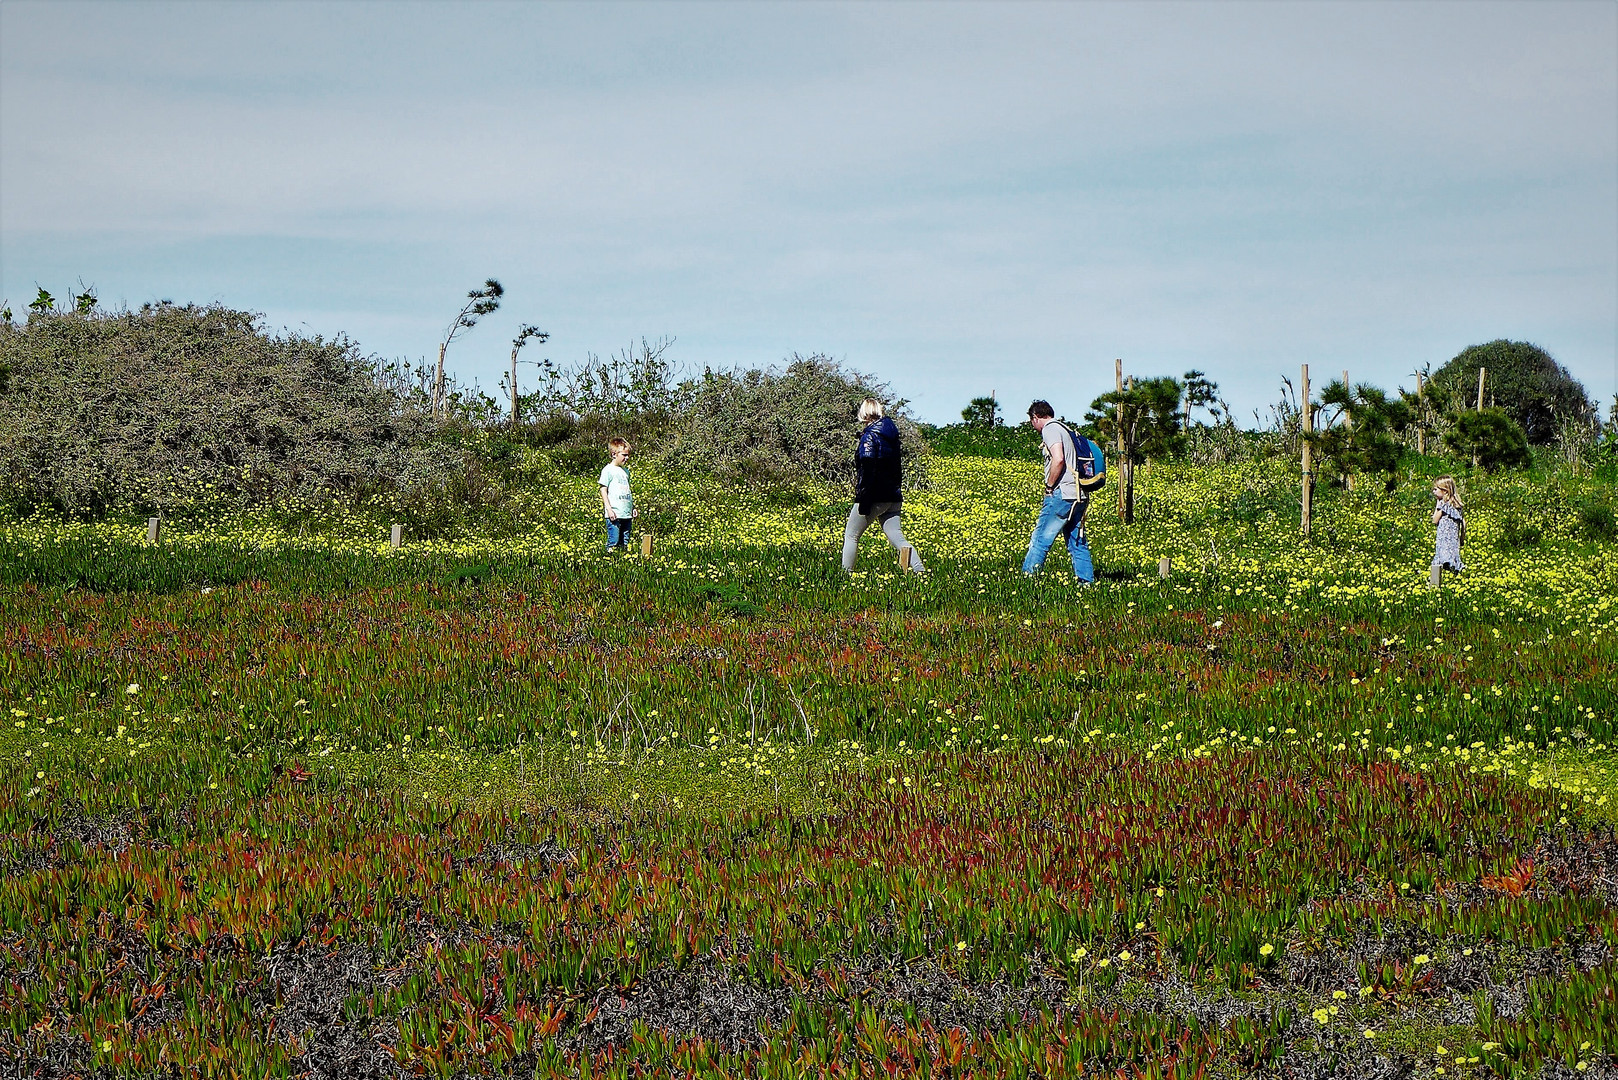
pixel 870 409
pixel 615 445
pixel 1445 486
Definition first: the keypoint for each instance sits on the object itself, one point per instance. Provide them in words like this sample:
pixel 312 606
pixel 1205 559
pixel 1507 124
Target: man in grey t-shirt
pixel 1062 513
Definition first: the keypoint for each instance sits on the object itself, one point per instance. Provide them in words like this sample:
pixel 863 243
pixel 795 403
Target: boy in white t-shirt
pixel 617 504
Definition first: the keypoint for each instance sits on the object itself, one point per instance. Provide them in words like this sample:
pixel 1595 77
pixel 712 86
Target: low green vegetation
pixel 278 800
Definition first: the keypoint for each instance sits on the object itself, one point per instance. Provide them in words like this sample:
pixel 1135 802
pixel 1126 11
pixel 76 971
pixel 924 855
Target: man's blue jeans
pixel 1054 522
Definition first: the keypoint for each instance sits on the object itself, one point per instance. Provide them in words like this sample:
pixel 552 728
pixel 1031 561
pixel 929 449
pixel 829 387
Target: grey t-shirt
pixel 1056 434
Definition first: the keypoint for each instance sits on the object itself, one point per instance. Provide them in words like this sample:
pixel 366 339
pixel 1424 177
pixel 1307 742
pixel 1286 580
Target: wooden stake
pixel 154 529
pixel 438 385
pixel 1348 422
pixel 904 558
pixel 1118 443
pixel 1306 427
pixel 1481 373
pixel 1436 577
pixel 1421 435
pixel 1163 567
pixel 397 540
pixel 1129 471
pixel 646 545
pixel 514 349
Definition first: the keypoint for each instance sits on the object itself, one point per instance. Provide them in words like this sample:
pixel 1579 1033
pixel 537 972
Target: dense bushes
pixel 799 423
pixel 1017 442
pixel 1534 390
pixel 772 426
pixel 1491 438
pixel 169 407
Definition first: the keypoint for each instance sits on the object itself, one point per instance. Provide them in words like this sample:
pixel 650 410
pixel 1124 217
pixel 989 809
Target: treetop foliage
pixel 1526 381
pixel 1358 429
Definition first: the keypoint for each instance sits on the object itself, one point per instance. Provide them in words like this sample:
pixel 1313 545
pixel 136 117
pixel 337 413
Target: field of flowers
pixel 277 800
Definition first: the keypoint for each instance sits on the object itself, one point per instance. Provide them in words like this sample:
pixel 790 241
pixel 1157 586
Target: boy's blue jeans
pixel 1053 522
pixel 618 530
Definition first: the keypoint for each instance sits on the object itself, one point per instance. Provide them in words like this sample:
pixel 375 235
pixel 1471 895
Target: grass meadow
pixel 276 800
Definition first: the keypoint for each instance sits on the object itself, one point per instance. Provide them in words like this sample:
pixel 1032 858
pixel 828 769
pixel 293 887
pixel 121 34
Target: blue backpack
pixel 1089 463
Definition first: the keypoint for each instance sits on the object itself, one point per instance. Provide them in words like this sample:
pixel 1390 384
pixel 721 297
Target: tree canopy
pixel 1364 439
pixel 1523 379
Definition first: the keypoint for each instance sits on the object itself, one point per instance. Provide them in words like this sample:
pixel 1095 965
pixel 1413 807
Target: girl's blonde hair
pixel 1445 487
pixel 870 409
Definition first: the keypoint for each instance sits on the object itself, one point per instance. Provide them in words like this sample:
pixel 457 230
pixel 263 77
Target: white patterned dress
pixel 1448 552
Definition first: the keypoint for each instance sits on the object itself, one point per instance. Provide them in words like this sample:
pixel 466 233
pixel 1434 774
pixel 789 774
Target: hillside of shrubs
pixel 177 410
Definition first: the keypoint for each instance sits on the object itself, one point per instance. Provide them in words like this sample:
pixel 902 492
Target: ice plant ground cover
pixel 279 801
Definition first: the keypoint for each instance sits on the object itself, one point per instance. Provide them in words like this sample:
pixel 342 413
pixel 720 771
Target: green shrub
pixel 784 427
pixel 1517 533
pixel 171 407
pixel 1491 437
pixel 1533 389
pixel 1015 442
pixel 1598 521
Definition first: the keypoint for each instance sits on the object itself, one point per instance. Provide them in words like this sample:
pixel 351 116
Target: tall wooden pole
pixel 514 387
pixel 438 384
pixel 1481 373
pixel 1306 427
pixel 1421 434
pixel 1348 422
pixel 1118 443
pixel 1129 470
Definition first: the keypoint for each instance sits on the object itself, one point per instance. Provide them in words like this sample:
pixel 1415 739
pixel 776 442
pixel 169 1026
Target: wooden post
pixel 904 558
pixel 1129 471
pixel 1481 373
pixel 438 384
pixel 1118 443
pixel 514 349
pixel 1348 422
pixel 1436 576
pixel 397 539
pixel 1306 428
pixel 1421 435
pixel 154 529
pixel 646 545
pixel 1163 568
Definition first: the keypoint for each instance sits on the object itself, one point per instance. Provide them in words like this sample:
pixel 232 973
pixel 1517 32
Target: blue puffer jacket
pixel 877 469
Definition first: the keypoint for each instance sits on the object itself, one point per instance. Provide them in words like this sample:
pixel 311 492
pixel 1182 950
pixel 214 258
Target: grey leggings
pixel 888 515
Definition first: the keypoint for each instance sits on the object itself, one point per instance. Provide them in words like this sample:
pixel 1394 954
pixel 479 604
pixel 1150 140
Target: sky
pixel 959 198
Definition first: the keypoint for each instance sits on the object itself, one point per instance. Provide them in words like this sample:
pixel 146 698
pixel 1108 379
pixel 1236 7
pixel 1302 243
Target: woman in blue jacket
pixel 878 475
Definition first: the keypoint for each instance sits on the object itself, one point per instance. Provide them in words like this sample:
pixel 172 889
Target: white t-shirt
pixel 615 478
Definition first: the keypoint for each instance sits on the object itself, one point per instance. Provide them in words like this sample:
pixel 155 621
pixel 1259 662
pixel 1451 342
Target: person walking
pixel 1451 528
pixel 1069 458
pixel 878 474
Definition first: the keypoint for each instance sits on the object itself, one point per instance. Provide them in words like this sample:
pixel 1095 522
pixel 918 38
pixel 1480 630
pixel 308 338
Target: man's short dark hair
pixel 1041 408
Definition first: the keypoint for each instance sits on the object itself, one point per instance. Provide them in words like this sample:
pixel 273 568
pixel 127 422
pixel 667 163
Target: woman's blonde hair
pixel 870 409
pixel 1445 487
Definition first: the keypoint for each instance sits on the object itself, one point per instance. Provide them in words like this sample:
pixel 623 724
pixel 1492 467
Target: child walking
pixel 617 504
pixel 1451 525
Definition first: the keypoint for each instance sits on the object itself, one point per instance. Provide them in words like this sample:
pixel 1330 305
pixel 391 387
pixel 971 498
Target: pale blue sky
pixel 957 197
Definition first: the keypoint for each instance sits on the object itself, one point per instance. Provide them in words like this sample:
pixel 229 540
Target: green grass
pixel 500 804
